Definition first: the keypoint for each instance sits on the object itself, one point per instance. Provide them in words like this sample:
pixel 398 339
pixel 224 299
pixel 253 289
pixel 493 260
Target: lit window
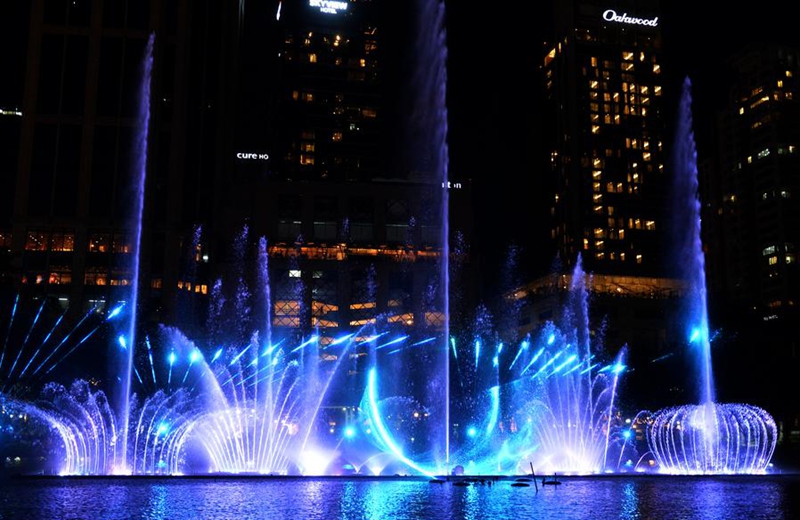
pixel 306 160
pixel 595 129
pixel 657 90
pixel 773 260
pixel 336 137
pixel 650 225
pixel 627 55
pixel 64 242
pixel 597 175
pixel 638 259
pixel 788 73
pixel 790 259
pixel 312 58
pixel 308 97
pixel 656 68
pixel 369 112
pixel 295 273
pixel 37 241
pixel 780 83
pixel 362 62
pixel 307 147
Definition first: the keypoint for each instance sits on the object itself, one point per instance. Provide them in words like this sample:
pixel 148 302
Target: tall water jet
pixel 431 120
pixel 707 437
pixel 139 170
pixel 689 246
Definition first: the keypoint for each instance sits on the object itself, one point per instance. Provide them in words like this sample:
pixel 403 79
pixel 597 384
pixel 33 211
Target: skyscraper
pixel 608 175
pixel 608 150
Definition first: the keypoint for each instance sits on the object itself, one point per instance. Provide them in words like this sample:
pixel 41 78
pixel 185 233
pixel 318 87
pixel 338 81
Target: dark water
pixel 643 497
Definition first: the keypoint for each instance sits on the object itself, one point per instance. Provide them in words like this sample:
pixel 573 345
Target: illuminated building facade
pixel 609 181
pixel 603 79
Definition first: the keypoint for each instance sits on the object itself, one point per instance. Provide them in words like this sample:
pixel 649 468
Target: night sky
pixel 495 97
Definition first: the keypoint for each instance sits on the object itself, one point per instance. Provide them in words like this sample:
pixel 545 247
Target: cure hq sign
pixel 328 6
pixel 251 156
pixel 611 15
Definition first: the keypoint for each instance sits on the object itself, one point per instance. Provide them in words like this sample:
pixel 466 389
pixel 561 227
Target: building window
pixel 306 160
pixel 63 242
pixel 121 244
pixel 638 259
pixel 772 260
pixel 37 241
pixel 96 276
pixel 60 275
pixel 99 243
pixel 336 137
pixel 369 112
pixel 312 58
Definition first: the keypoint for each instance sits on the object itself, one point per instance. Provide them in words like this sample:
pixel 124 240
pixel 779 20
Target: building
pixel 274 118
pixel 609 177
pixel 354 231
pixel 753 212
pixel 70 229
pixel 608 151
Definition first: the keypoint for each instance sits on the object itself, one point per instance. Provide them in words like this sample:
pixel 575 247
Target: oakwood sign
pixel 611 15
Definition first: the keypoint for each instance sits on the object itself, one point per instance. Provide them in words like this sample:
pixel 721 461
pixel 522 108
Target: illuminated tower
pixel 603 80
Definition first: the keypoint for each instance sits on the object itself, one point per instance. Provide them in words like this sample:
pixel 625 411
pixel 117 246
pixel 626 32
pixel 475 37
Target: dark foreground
pixel 614 497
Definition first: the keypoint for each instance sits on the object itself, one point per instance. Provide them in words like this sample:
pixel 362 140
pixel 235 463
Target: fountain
pixel 707 437
pixel 240 397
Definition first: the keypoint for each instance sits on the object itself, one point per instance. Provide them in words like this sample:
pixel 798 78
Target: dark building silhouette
pixel 275 118
pixel 752 226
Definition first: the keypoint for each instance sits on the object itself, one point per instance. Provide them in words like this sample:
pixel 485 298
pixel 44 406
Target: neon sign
pixel 328 6
pixel 611 15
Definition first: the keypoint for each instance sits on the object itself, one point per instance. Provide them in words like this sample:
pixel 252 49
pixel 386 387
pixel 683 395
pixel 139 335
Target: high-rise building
pixel 274 117
pixel 609 144
pixel 757 178
pixel 608 175
pixel 354 233
pixel 753 214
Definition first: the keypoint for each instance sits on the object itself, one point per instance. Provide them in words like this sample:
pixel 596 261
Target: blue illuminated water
pixel 628 498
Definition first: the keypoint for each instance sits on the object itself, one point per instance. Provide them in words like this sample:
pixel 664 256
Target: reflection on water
pixel 624 498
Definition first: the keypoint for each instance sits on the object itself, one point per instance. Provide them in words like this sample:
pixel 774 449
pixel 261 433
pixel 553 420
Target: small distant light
pixel 205 258
pixel 472 431
pixel 349 432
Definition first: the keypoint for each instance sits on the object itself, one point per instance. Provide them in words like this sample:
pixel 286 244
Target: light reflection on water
pixel 624 498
